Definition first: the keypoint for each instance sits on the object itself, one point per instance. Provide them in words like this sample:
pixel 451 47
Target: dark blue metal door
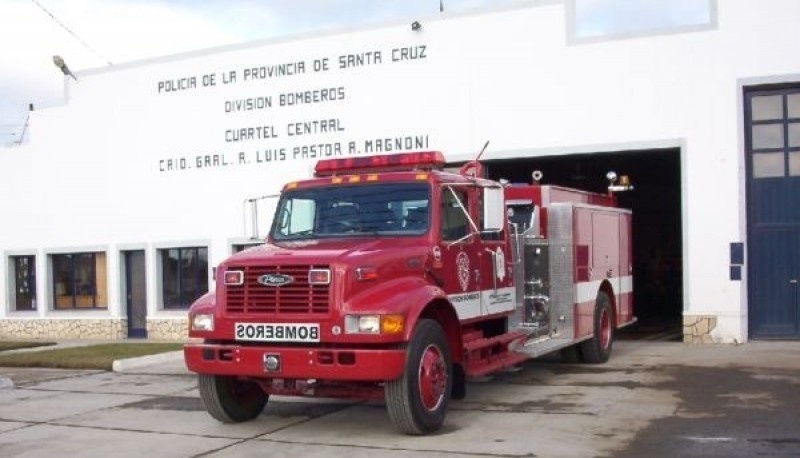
pixel 136 293
pixel 774 283
pixel 772 132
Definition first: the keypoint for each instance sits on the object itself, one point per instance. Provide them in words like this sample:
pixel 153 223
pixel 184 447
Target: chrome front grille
pixel 297 297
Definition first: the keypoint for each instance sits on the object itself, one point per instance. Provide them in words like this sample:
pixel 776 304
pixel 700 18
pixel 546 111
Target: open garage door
pixel 657 236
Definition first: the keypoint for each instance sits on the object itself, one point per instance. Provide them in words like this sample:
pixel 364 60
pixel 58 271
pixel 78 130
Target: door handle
pixel 793 281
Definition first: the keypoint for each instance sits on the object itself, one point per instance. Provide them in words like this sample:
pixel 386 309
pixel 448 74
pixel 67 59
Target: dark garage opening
pixel 657 236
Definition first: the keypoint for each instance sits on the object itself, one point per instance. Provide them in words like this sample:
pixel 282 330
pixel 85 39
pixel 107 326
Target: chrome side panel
pixel 562 288
pixel 518 266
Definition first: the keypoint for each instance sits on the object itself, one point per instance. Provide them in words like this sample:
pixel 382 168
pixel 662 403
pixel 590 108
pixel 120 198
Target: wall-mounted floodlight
pixel 618 183
pixel 59 62
pixel 416 26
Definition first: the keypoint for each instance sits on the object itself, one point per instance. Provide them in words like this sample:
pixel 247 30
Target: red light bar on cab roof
pixel 425 160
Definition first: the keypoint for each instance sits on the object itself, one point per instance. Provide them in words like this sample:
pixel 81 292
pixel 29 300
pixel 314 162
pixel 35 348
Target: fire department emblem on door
pixel 462 264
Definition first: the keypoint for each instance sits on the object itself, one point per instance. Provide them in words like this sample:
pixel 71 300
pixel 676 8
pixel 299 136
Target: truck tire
pixel 598 349
pixel 231 400
pixel 571 355
pixel 458 389
pixel 417 401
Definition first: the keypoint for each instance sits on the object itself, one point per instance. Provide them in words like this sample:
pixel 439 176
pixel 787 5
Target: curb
pixel 124 365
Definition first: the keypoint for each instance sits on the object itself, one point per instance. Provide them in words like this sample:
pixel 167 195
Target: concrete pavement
pixel 652 398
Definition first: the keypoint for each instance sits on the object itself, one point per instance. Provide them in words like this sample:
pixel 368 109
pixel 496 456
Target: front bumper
pixel 366 365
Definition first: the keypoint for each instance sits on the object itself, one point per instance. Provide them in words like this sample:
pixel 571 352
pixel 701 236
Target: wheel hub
pixel 432 378
pixel 605 329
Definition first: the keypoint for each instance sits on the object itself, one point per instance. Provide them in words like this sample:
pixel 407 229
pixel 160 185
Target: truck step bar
pixel 483 355
pixel 540 346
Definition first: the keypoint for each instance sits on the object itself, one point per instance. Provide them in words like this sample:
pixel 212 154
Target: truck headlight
pixel 362 324
pixel 202 322
pixel 373 324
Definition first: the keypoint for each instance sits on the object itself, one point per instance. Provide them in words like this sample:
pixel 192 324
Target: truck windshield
pixel 336 211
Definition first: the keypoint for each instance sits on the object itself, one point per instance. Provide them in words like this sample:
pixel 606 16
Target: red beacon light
pixel 425 160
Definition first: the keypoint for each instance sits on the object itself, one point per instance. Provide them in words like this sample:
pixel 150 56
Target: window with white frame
pixel 23 282
pixel 79 281
pixel 184 275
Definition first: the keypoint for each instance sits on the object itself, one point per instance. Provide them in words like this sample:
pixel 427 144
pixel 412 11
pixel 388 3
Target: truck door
pixel 459 253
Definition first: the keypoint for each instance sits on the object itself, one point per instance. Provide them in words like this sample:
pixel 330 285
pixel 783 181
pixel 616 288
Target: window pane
pixel 599 18
pixel 302 217
pixel 84 280
pixel 79 280
pixel 794 134
pixel 184 275
pixel 351 211
pixel 454 221
pixel 188 273
pixel 24 282
pixel 794 105
pixel 100 283
pixel 767 107
pixel 768 136
pixel 794 163
pixel 63 285
pixel 767 165
pixel 169 277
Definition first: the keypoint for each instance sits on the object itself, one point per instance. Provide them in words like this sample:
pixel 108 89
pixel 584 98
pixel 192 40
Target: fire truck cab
pixel 388 277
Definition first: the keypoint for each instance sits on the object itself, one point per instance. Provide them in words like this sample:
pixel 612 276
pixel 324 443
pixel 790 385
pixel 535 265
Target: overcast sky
pixel 94 33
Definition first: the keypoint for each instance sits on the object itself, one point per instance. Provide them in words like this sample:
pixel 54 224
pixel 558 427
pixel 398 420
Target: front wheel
pixel 417 401
pixel 598 349
pixel 231 400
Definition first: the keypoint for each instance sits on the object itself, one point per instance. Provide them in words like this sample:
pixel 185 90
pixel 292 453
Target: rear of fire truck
pixel 345 298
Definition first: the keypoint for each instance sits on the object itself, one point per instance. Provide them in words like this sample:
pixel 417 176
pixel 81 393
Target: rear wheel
pixel 417 401
pixel 598 349
pixel 231 400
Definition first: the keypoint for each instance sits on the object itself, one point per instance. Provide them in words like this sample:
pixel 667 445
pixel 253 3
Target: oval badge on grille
pixel 275 279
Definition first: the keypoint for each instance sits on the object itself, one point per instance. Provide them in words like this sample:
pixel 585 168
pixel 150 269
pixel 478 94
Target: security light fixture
pixel 618 183
pixel 59 62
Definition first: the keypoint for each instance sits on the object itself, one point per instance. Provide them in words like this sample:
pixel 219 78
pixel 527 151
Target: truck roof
pixel 418 166
pixel 549 194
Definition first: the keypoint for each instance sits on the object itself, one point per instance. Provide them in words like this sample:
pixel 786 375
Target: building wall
pixel 143 154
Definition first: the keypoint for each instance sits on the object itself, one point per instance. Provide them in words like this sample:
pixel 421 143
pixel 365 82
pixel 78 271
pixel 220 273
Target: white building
pixel 122 199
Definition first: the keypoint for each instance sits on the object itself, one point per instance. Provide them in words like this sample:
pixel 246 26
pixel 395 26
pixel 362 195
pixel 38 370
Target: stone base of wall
pixel 697 329
pixel 110 329
pixel 168 329
pixel 64 329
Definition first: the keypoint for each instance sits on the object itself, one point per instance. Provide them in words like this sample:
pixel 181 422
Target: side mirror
pixel 494 209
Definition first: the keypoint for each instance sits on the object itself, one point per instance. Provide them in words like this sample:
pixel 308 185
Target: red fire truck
pixel 389 277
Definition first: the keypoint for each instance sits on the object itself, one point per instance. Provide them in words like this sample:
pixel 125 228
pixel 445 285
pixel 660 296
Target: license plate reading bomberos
pixel 278 332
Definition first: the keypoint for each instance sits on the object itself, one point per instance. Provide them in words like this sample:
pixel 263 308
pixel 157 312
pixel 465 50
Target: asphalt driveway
pixel 651 399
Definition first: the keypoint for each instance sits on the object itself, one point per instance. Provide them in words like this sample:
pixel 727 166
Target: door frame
pixel 757 228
